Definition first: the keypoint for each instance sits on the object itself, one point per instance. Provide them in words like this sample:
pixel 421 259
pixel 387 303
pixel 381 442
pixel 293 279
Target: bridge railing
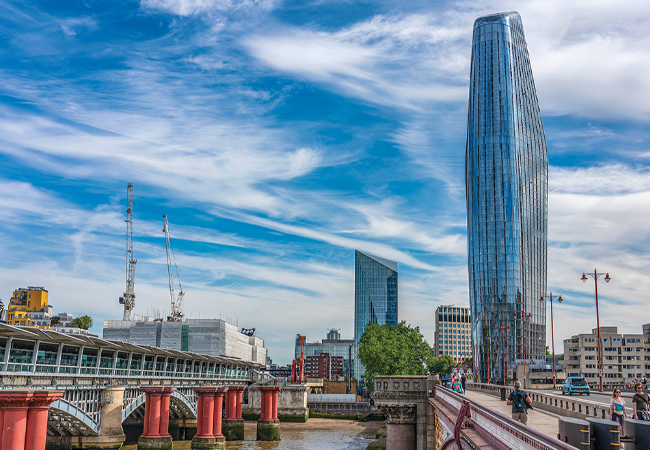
pixel 564 406
pixel 493 425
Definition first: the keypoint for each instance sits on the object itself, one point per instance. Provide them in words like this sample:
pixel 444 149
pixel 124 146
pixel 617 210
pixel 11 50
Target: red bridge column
pixel 218 410
pixel 268 427
pixel 233 424
pixel 204 437
pixel 156 416
pixel 24 418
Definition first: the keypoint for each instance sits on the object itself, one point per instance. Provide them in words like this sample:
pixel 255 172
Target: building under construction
pixel 213 337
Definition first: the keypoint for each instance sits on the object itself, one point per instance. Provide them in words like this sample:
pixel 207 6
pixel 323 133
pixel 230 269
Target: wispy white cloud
pixel 194 7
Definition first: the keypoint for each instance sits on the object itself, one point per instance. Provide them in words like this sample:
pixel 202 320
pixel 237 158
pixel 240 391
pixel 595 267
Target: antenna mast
pixel 177 303
pixel 128 300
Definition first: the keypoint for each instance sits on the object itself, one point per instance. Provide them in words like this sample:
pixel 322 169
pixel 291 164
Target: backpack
pixel 519 401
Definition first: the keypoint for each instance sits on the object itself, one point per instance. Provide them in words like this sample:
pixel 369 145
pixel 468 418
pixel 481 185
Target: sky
pixel 278 137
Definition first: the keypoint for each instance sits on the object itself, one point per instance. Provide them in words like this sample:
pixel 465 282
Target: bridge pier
pixel 23 418
pixel 233 424
pixel 156 419
pixel 268 427
pixel 208 419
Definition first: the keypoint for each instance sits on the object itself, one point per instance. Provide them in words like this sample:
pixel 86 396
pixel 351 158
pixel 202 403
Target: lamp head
pixel 584 278
pixel 607 278
pixel 559 299
pixel 541 299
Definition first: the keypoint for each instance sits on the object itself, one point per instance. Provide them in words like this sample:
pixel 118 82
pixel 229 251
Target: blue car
pixel 575 384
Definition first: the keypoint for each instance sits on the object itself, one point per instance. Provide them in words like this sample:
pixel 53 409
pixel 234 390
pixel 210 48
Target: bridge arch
pixel 67 418
pixel 179 403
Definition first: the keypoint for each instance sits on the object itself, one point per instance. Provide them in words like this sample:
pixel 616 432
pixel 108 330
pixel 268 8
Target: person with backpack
pixel 457 386
pixel 519 401
pixel 640 404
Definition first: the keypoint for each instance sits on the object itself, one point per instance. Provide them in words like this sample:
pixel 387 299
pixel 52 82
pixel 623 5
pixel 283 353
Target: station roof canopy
pixel 36 334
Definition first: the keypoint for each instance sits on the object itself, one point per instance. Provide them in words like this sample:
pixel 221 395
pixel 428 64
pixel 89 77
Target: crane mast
pixel 177 303
pixel 128 298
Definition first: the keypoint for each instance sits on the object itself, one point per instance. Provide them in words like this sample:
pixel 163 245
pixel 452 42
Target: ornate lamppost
pixel 595 276
pixel 559 300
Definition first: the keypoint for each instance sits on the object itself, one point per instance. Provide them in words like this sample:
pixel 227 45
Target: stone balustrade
pixel 579 408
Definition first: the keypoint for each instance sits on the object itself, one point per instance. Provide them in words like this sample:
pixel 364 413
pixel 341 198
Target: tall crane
pixel 128 298
pixel 177 303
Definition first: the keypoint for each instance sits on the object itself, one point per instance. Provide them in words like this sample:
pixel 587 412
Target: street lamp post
pixel 524 317
pixel 595 276
pixel 559 300
pixel 502 329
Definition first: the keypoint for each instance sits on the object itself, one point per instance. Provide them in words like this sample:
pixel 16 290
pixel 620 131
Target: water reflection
pixel 296 440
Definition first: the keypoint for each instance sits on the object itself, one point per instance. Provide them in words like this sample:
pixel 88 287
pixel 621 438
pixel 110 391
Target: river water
pixel 296 440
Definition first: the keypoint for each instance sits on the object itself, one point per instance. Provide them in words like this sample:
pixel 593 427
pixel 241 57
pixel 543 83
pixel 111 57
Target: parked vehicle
pixel 575 385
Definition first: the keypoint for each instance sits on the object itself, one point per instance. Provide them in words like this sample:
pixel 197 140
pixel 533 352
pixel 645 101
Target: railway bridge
pixel 101 380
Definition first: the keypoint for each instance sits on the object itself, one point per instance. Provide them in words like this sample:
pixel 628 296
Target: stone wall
pixel 292 403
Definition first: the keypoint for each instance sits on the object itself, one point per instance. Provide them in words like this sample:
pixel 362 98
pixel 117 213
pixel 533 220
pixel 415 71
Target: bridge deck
pixel 543 421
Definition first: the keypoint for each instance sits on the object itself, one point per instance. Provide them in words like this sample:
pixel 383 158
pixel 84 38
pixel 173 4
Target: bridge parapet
pixel 403 400
pixel 460 421
pixel 578 408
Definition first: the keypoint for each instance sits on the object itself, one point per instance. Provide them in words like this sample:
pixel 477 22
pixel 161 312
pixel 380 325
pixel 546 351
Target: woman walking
pixel 617 407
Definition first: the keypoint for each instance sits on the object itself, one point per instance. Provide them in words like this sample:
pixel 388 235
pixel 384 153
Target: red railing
pixel 494 425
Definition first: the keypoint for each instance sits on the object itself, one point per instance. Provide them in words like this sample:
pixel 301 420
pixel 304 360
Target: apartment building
pixel 625 356
pixel 453 334
pixel 324 366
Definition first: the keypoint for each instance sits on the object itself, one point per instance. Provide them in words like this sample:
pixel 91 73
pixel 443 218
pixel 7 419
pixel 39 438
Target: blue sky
pixel 280 136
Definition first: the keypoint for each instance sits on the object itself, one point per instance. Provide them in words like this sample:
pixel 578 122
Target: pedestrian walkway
pixel 542 421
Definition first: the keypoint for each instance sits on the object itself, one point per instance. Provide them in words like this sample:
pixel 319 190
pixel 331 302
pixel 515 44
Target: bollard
pixel 574 432
pixel 503 394
pixel 605 434
pixel 639 432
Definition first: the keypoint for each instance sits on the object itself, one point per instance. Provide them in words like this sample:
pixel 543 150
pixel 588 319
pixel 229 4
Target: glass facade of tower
pixel 506 174
pixel 375 297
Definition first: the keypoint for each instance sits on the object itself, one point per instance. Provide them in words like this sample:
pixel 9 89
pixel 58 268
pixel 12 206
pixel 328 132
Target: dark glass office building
pixel 375 296
pixel 506 174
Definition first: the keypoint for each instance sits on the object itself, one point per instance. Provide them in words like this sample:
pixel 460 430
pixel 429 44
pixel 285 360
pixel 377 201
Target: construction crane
pixel 177 303
pixel 128 298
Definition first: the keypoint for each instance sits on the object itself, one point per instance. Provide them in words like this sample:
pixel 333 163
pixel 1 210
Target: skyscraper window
pixel 506 173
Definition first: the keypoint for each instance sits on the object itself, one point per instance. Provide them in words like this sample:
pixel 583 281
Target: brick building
pixel 324 366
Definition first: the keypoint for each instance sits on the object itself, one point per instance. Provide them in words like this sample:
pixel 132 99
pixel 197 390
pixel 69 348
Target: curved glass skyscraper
pixel 506 175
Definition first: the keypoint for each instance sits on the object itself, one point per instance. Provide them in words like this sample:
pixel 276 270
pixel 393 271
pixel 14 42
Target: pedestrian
pixel 519 401
pixel 463 380
pixel 617 407
pixel 457 386
pixel 640 404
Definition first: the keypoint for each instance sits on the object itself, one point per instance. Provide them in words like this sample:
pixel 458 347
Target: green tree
pixel 547 352
pixel 398 350
pixel 84 322
pixel 442 364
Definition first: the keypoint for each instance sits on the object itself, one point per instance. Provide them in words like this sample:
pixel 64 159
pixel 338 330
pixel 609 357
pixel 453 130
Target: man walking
pixel 463 380
pixel 519 401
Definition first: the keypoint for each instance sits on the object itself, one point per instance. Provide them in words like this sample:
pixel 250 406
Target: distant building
pixel 74 331
pixel 624 356
pixel 213 337
pixel 453 334
pixel 646 333
pixel 29 307
pixel 64 319
pixel 324 366
pixel 375 297
pixel 333 345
